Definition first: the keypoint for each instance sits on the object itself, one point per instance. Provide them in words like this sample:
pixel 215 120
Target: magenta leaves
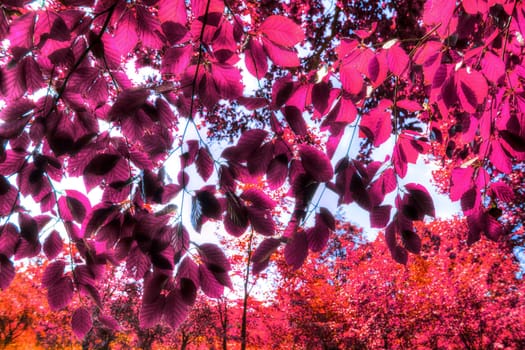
pixel 112 92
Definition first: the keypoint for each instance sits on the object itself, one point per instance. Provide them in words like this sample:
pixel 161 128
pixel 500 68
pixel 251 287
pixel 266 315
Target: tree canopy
pixel 128 127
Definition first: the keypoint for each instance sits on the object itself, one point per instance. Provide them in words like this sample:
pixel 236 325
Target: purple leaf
pixel 277 172
pixel 53 273
pixel 316 163
pixel 502 191
pixel 317 236
pixel 421 199
pixel 296 250
pixel 204 164
pixel 211 207
pixel 174 32
pixel 9 239
pixel 53 245
pixel 295 119
pixel 214 258
pixel 81 322
pixel 258 199
pixel 150 313
pixel 256 59
pixel 209 284
pixel 27 249
pixel 493 229
pixel 101 214
pixel 411 241
pixel 248 143
pixel 73 206
pixel 175 309
pixel 236 218
pixel 8 199
pixel 59 294
pixel 470 200
pixel 102 164
pixel 475 227
pixel 380 216
pixel 109 322
pixel 7 272
pixel 320 96
pixel 176 59
pixel 359 191
pixel 261 221
pixel 261 255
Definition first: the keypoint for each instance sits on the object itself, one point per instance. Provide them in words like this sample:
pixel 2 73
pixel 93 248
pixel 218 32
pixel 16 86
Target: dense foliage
pixel 137 99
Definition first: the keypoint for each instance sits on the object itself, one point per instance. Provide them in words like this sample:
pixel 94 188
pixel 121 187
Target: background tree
pixel 451 295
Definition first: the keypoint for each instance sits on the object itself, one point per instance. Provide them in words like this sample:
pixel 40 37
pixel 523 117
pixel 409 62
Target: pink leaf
pixel 378 69
pixel 411 106
pixel 175 60
pixel 347 112
pixel 81 322
pixel 228 80
pixel 377 125
pixel 461 182
pixel 498 157
pixel 172 10
pixel 351 79
pixel 472 89
pixel 316 163
pixel 492 67
pixel 281 56
pixel 282 31
pixel 397 59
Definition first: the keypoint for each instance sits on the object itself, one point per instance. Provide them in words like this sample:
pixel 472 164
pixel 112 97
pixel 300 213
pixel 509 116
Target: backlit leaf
pixel 282 31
